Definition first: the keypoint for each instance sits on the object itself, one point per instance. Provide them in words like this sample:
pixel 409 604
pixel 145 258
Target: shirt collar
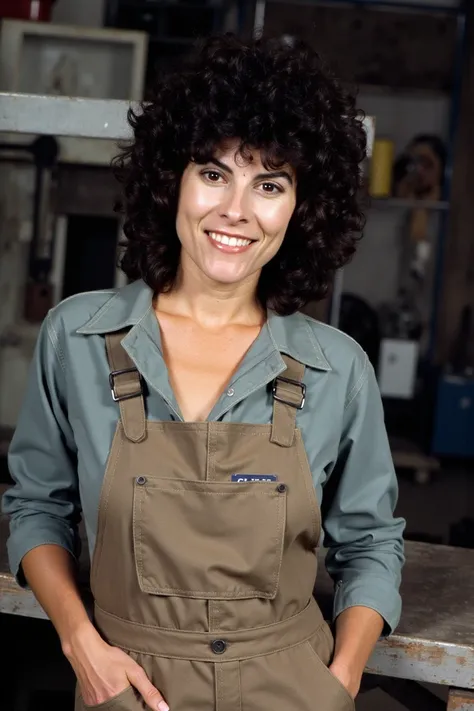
pixel 294 336
pixel 127 307
pixel 291 335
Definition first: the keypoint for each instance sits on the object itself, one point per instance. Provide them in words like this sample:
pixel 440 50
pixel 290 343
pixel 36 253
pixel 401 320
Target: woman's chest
pixel 201 365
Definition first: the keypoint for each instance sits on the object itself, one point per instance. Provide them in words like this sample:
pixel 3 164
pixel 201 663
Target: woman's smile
pixel 228 243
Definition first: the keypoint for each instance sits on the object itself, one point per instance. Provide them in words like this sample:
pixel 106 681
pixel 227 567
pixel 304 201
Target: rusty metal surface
pixel 460 700
pixel 435 638
pixel 424 660
pixel 438 589
pixel 13 600
pixel 434 641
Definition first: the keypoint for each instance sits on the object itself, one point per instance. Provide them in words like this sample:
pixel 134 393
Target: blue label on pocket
pixel 254 477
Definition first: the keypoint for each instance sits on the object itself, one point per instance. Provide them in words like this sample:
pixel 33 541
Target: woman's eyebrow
pixel 221 165
pixel 275 174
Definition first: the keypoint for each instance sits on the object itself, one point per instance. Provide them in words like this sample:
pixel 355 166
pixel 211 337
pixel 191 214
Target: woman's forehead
pixel 235 153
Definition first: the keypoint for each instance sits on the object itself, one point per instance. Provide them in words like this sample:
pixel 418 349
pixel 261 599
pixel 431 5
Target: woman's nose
pixel 235 206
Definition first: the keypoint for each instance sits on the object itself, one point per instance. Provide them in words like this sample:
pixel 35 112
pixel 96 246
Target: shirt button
pixel 141 480
pixel 218 646
pixel 230 392
pixel 281 488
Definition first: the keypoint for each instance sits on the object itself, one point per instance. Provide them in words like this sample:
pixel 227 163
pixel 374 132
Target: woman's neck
pixel 212 305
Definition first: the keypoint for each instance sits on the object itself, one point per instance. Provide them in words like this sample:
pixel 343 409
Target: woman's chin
pixel 226 275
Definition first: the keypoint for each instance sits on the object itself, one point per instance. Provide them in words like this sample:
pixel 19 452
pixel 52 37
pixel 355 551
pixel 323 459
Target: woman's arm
pixel 44 510
pixel 102 671
pixel 51 573
pixel 364 539
pixel 357 631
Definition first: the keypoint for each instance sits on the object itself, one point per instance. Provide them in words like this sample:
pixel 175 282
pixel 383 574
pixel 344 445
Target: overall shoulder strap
pixel 289 393
pixel 127 387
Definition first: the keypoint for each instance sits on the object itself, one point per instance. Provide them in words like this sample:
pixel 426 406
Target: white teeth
pixel 230 241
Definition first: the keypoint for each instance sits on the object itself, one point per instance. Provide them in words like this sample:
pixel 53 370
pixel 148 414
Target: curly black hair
pixel 272 96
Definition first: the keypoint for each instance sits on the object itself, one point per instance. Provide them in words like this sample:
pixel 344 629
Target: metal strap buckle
pixel 119 398
pixel 297 383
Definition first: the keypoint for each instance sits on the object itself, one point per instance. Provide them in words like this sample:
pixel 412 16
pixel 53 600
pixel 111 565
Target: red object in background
pixel 39 10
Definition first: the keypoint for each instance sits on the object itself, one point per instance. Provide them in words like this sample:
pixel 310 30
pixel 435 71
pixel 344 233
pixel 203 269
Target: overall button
pixel 218 646
pixel 281 488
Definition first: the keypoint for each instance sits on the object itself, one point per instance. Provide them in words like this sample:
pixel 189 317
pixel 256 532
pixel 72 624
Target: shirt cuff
pixel 31 534
pixel 371 591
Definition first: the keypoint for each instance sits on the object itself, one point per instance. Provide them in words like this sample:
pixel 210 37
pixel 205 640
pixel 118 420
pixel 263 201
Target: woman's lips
pixel 228 243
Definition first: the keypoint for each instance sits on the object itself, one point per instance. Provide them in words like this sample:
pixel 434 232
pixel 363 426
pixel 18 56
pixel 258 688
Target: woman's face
pixel 233 215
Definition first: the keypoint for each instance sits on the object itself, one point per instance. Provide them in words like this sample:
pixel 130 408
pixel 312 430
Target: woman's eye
pixel 212 175
pixel 271 188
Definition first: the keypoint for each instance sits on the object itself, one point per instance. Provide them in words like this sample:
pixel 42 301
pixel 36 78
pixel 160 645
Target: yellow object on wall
pixel 381 165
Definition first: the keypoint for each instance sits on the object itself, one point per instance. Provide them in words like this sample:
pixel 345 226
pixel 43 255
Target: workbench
pixel 433 643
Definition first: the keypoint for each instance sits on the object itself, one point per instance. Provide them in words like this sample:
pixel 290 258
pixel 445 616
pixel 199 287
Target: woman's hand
pixel 348 679
pixel 103 671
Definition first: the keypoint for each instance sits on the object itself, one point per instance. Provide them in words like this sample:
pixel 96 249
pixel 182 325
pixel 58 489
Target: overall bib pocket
pixel 208 539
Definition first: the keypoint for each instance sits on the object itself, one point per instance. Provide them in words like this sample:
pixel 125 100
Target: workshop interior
pixel 68 71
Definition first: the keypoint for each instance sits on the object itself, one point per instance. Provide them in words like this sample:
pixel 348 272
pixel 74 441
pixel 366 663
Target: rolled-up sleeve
pixel 44 504
pixel 364 538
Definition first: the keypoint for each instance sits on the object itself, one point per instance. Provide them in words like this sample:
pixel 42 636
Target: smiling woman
pixel 243 210
pixel 265 113
pixel 208 433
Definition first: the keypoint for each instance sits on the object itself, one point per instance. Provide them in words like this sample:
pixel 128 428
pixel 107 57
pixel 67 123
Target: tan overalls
pixel 203 571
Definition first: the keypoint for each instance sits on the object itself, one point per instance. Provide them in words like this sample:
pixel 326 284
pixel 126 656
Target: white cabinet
pixel 61 60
